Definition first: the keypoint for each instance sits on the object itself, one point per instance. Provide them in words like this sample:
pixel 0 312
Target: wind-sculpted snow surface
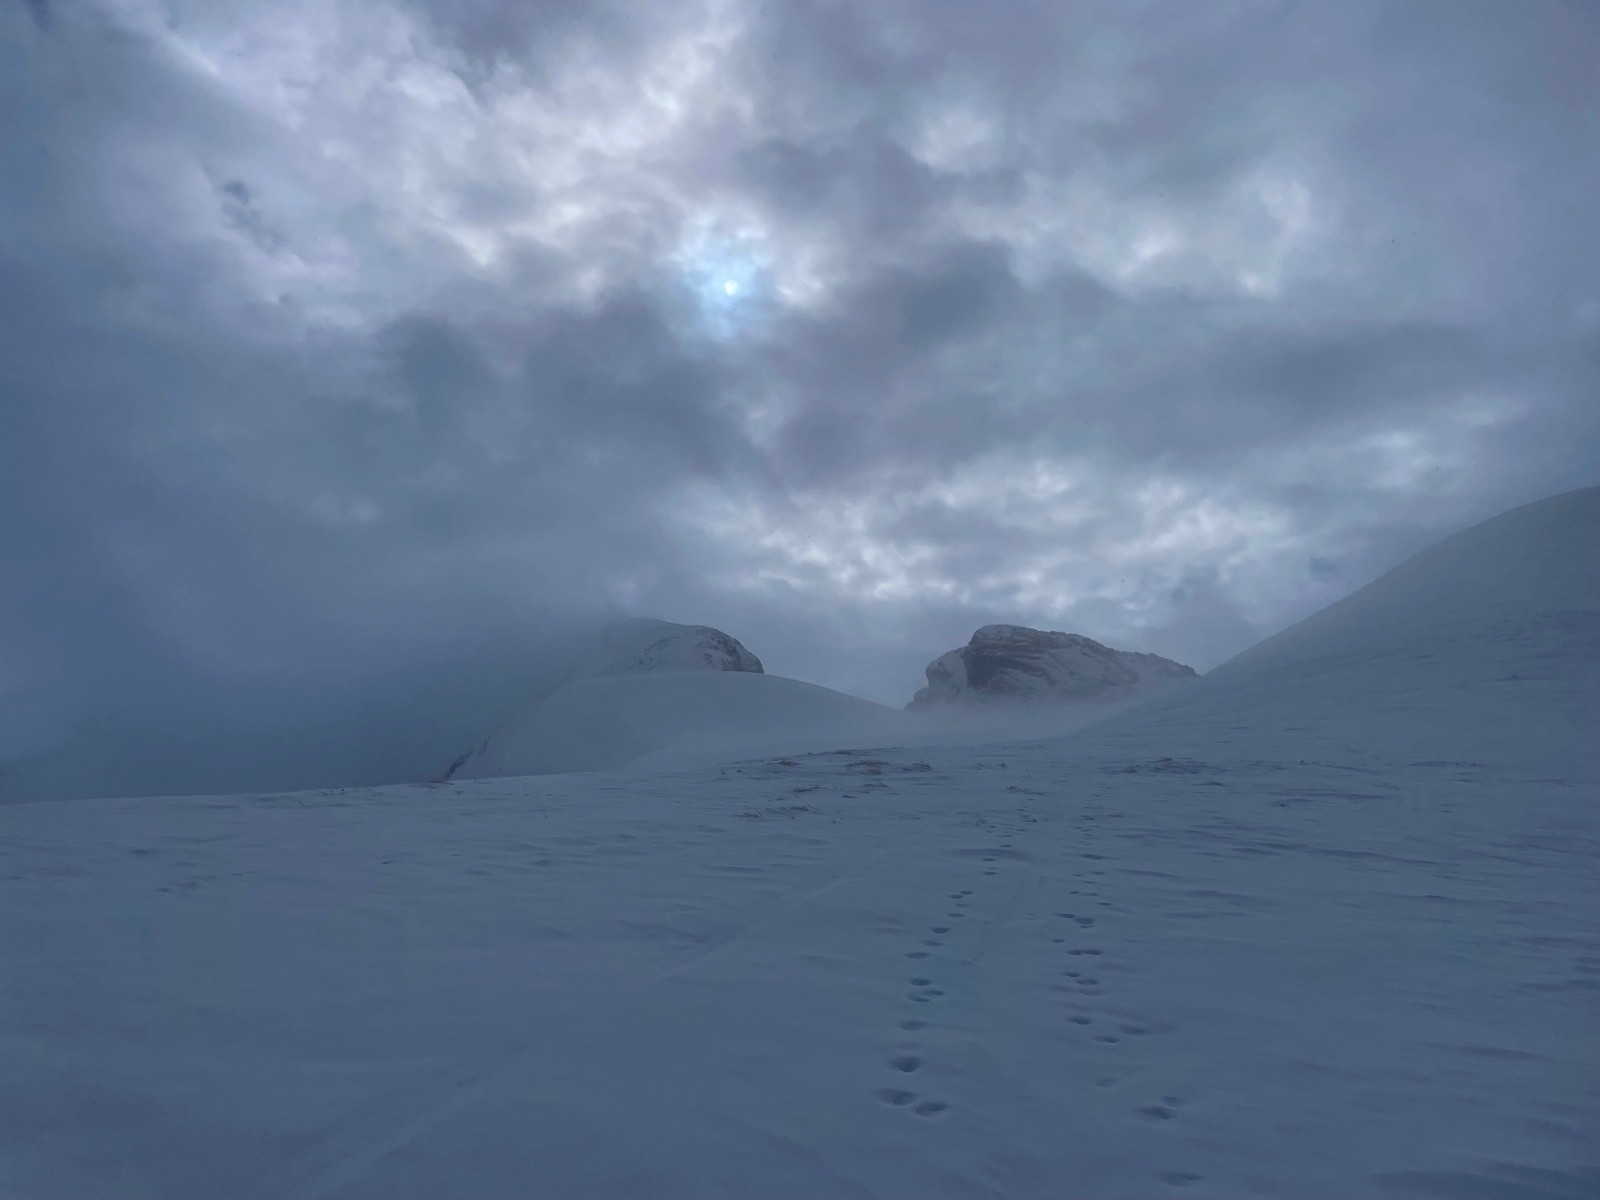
pixel 1289 936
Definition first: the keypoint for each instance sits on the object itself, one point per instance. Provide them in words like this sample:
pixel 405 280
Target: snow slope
pixel 644 644
pixel 1285 936
pixel 611 722
pixel 1484 648
pixel 635 646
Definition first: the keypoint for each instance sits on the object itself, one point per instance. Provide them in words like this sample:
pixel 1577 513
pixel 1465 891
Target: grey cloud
pixel 303 448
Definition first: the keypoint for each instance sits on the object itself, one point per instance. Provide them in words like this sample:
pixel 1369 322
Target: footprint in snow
pixel 906 1063
pixel 1156 1112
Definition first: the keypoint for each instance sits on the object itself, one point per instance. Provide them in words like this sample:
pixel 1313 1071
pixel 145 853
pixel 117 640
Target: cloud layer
pixel 353 348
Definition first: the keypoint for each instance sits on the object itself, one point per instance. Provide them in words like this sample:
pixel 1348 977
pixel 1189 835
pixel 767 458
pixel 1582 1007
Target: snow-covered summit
pixel 642 645
pixel 1013 662
pixel 635 646
pixel 646 689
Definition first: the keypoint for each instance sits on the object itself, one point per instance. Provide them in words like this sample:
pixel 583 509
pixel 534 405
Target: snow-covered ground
pixel 1323 925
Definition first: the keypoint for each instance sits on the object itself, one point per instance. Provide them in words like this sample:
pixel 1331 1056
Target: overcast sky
pixel 347 346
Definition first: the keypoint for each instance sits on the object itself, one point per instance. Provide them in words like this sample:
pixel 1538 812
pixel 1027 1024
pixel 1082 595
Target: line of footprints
pixel 924 991
pixel 1085 984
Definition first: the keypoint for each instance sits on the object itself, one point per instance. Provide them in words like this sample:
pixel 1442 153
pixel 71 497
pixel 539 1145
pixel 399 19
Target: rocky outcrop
pixel 638 647
pixel 1015 663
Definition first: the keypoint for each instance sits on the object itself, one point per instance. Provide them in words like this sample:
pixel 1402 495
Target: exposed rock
pixel 636 647
pixel 1012 662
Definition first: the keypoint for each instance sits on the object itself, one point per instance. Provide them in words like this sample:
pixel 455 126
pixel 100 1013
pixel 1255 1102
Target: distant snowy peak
pixel 1013 662
pixel 637 646
pixel 641 647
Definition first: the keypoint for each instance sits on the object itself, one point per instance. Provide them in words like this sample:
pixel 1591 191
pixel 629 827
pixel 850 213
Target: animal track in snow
pixel 906 1063
pixel 900 1098
pixel 1179 1178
